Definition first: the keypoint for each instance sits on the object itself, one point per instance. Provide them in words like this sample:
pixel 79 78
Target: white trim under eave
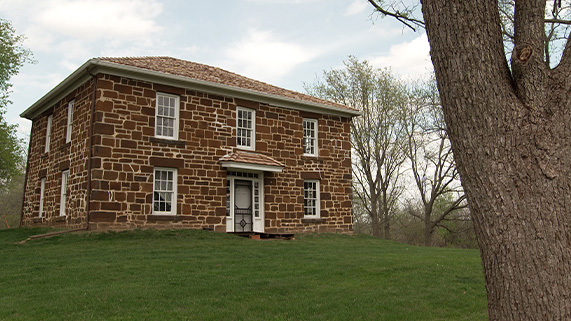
pixel 251 167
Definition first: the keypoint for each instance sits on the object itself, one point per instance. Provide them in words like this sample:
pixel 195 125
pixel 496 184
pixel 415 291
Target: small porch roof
pixel 243 160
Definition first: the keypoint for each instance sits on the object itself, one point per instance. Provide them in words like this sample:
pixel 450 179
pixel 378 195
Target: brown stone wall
pixel 125 153
pixel 281 131
pixel 61 156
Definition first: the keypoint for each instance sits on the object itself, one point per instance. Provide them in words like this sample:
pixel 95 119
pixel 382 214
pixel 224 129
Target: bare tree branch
pixel 403 18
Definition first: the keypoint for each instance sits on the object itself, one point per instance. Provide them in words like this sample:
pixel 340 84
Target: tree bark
pixel 428 226
pixel 511 137
pixel 375 224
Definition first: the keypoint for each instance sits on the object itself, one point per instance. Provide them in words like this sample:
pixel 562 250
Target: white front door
pixel 244 202
pixel 243 210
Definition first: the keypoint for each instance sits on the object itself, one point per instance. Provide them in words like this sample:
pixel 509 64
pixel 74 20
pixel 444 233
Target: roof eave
pixel 66 86
pixel 95 66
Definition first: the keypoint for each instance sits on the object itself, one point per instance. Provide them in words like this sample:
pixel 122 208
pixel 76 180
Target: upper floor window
pixel 310 137
pixel 245 128
pixel 164 191
pixel 311 203
pixel 48 133
pixel 63 194
pixel 167 116
pixel 70 107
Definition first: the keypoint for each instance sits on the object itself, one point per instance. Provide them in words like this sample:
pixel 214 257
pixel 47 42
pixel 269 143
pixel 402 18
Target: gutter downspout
pixel 90 150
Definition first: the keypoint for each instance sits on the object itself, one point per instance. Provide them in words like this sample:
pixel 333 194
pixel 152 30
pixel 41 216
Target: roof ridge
pixel 200 71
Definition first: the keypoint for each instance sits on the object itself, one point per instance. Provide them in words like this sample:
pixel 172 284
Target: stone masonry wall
pixel 61 156
pixel 125 153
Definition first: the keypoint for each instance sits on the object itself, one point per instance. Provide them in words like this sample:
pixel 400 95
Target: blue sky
pixel 281 42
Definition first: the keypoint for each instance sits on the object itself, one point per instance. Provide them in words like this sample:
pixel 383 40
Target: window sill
pixel 61 218
pixel 311 158
pixel 246 148
pixel 175 142
pixel 313 220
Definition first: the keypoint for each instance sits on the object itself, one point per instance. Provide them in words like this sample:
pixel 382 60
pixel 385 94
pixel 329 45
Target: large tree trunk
pixel 375 222
pixel 428 227
pixel 386 217
pixel 387 227
pixel 511 137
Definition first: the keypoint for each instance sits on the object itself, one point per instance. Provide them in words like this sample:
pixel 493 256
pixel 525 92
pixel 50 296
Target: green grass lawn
pixel 199 275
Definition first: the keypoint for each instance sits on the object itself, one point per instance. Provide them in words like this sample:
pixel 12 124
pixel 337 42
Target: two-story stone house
pixel 162 142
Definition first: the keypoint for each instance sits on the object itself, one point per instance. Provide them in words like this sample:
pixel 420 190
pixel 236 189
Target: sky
pixel 282 42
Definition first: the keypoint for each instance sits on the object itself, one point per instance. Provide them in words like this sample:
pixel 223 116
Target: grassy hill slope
pixel 199 275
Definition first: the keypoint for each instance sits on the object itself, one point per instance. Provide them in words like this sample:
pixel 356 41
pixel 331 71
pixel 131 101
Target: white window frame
pixel 176 116
pixel 173 191
pixel 317 198
pixel 63 193
pixel 252 129
pixel 42 195
pixel 313 139
pixel 70 107
pixel 48 133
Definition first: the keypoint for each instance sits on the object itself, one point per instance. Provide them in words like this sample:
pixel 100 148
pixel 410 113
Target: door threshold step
pixel 266 236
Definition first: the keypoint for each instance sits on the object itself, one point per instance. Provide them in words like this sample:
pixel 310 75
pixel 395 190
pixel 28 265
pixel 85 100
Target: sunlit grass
pixel 199 275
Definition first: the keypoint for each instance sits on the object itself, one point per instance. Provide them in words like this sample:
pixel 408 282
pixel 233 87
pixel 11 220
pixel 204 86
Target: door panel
pixel 243 206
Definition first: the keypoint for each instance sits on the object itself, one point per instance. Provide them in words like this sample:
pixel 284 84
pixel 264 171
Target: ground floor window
pixel 42 193
pixel 311 198
pixel 164 191
pixel 63 194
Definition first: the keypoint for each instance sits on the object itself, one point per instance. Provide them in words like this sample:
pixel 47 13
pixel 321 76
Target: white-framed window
pixel 70 107
pixel 245 128
pixel 311 205
pixel 48 133
pixel 310 137
pixel 167 116
pixel 63 193
pixel 42 193
pixel 164 191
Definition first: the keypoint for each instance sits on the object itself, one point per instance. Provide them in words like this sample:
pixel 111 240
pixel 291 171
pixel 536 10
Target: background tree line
pixel 12 151
pixel 406 186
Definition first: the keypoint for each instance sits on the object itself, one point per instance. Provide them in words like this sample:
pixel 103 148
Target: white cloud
pixel 74 29
pixel 409 59
pixel 36 82
pixel 260 56
pixel 100 18
pixel 356 7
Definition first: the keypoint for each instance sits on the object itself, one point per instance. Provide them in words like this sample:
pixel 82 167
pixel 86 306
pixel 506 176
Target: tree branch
pixel 560 21
pixel 402 18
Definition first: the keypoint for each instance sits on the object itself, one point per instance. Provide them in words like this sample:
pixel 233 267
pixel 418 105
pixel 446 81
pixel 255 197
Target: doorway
pixel 244 202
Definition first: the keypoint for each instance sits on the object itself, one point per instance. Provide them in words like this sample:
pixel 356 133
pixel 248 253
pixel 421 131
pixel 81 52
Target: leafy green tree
pixel 12 57
pixel 377 136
